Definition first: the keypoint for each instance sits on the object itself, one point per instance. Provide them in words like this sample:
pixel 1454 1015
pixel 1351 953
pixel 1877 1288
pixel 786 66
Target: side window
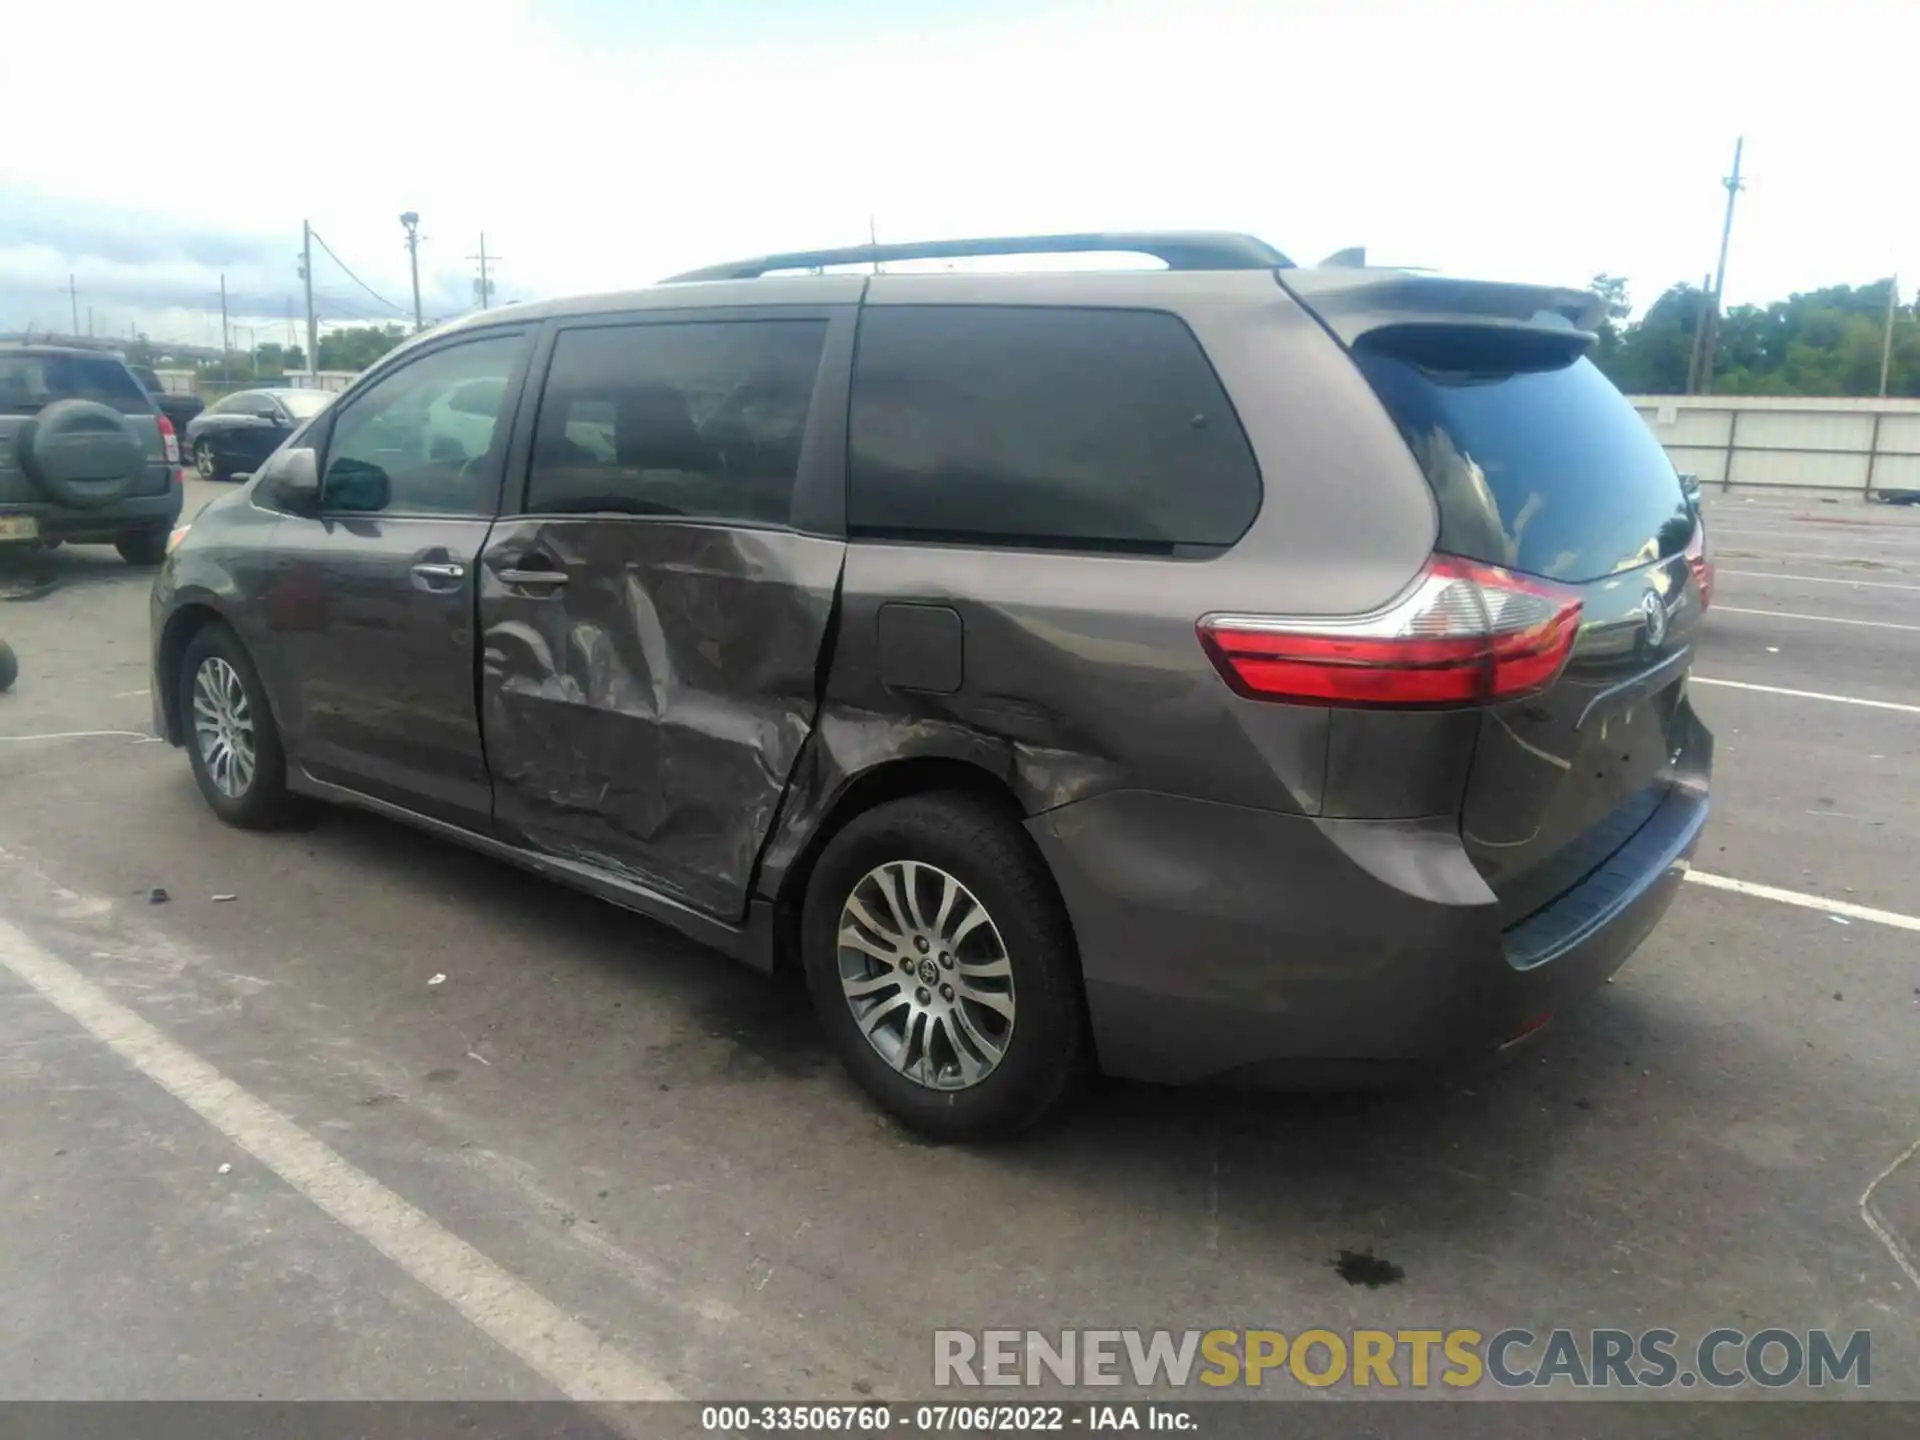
pixel 424 439
pixel 698 418
pixel 258 406
pixel 1079 429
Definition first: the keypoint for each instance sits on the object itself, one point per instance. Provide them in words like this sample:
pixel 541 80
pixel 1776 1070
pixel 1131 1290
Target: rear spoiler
pixel 1353 302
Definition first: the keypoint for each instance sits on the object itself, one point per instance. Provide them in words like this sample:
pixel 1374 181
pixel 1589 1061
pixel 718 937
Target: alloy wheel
pixel 926 974
pixel 203 460
pixel 223 727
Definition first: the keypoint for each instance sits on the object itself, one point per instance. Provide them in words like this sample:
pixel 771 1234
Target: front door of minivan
pixel 371 611
pixel 653 616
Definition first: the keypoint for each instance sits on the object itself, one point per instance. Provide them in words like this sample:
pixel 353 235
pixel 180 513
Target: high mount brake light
pixel 1465 634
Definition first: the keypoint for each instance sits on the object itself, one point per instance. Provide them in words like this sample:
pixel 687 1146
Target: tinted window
pixel 701 419
pixel 29 382
pixel 1076 428
pixel 424 440
pixel 1538 463
pixel 256 405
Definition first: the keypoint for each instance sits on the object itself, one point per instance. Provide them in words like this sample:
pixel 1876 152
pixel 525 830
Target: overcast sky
pixel 605 143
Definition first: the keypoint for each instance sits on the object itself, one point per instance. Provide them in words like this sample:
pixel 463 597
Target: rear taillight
pixel 169 442
pixel 1700 561
pixel 1465 634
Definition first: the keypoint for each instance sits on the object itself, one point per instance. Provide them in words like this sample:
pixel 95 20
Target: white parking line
pixel 516 1317
pixel 1806 694
pixel 1901 1255
pixel 1803 579
pixel 1823 619
pixel 1807 902
pixel 75 735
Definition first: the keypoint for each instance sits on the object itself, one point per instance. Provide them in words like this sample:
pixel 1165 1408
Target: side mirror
pixel 291 479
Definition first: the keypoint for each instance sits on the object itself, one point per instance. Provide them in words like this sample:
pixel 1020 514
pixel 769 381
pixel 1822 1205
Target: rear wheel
pixel 943 969
pixel 206 462
pixel 142 547
pixel 232 742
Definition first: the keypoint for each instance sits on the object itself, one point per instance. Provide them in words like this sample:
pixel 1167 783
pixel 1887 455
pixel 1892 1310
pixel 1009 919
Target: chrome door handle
pixel 430 570
pixel 533 577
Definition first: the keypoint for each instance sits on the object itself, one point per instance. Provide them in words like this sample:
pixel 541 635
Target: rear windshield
pixel 29 383
pixel 1538 462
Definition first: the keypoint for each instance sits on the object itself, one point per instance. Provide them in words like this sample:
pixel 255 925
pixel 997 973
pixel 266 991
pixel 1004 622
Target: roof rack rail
pixel 1180 250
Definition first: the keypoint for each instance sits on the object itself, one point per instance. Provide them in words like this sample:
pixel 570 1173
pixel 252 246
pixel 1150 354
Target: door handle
pixel 437 575
pixel 546 578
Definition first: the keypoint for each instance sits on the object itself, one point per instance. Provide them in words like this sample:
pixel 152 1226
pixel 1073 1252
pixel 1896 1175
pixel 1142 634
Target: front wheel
pixel 232 741
pixel 943 969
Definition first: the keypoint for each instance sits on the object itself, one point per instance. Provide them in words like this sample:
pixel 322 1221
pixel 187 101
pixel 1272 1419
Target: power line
pixel 353 277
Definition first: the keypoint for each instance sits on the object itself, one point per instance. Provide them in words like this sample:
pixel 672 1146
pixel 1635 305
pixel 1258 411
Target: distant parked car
pixel 180 409
pixel 84 455
pixel 232 436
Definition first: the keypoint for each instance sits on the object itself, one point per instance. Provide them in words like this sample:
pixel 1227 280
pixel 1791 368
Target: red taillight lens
pixel 1465 634
pixel 169 442
pixel 1700 561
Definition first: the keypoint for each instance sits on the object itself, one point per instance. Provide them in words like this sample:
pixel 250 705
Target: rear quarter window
pixel 1537 461
pixel 1044 428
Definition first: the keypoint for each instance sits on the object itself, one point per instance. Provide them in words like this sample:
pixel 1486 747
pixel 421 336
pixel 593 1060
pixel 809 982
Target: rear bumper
pixel 1220 941
pixel 109 522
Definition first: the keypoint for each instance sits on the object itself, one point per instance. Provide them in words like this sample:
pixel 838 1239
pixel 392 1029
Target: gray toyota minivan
pixel 1188 671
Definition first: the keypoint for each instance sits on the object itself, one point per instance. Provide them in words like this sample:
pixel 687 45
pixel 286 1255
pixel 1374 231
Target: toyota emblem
pixel 1656 614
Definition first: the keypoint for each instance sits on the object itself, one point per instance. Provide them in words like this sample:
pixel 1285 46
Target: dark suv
pixel 84 454
pixel 1196 671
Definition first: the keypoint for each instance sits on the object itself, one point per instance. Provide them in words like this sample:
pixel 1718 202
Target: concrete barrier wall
pixel 1856 445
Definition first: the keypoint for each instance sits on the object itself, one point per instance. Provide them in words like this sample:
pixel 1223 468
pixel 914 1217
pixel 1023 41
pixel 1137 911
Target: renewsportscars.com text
pixel 1456 1359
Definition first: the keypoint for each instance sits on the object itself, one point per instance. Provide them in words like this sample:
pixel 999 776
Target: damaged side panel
pixel 644 715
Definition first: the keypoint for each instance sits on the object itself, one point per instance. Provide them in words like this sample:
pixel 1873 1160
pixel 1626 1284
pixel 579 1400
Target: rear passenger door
pixel 653 614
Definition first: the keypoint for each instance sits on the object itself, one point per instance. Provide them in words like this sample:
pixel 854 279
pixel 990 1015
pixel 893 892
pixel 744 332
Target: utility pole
pixel 306 274
pixel 226 370
pixel 411 220
pixel 73 296
pixel 1733 186
pixel 89 322
pixel 483 286
pixel 1886 339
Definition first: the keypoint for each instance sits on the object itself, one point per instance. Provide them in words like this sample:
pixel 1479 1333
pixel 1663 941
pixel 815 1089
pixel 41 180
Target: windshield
pixel 29 383
pixel 304 404
pixel 1542 468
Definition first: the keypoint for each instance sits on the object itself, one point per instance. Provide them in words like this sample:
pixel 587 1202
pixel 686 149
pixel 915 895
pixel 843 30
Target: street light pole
pixel 411 221
pixel 1886 339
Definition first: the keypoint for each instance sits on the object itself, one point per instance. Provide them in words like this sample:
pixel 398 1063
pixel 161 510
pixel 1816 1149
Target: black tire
pixel 9 666
pixel 1046 1053
pixel 263 803
pixel 206 461
pixel 142 547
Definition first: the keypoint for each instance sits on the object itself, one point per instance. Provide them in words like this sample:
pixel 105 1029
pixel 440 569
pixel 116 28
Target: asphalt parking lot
pixel 591 1159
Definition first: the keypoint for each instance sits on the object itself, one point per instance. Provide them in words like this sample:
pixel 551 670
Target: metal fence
pixel 1856 445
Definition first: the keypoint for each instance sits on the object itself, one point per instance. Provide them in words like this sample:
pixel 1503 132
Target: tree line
pixel 1823 342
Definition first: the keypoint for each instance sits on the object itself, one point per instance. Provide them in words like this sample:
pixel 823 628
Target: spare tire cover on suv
pixel 81 454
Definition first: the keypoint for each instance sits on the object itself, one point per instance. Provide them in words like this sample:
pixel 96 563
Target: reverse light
pixel 169 442
pixel 1700 561
pixel 1465 634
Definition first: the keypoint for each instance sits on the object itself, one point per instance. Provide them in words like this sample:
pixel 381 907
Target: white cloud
pixel 1514 139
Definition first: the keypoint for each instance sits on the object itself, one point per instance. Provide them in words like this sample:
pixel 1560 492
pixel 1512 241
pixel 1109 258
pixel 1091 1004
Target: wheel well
pixel 893 781
pixel 185 623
